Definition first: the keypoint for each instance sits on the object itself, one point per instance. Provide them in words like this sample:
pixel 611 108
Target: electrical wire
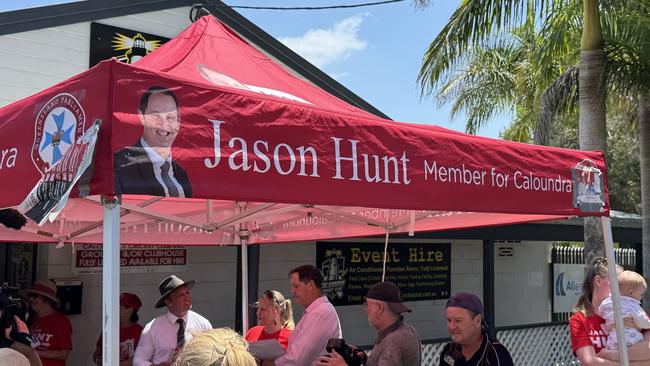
pixel 343 6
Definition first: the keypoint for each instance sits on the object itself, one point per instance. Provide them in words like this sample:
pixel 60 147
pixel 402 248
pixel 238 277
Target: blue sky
pixel 374 51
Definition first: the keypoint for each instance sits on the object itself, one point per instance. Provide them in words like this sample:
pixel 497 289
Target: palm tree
pixel 517 79
pixel 477 22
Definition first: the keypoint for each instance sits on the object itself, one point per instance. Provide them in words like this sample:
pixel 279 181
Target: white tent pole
pixel 111 283
pixel 616 293
pixel 243 239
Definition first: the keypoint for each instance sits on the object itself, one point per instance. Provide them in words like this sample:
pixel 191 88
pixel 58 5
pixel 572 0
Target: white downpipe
pixel 244 285
pixel 616 293
pixel 111 284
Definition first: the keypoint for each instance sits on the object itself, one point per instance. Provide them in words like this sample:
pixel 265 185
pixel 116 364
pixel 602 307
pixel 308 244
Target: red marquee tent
pixel 257 150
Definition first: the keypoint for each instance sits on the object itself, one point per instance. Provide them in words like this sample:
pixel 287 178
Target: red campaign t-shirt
pixel 258 334
pixel 129 338
pixel 52 332
pixel 587 331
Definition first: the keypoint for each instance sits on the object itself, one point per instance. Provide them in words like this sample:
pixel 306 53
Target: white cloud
pixel 322 47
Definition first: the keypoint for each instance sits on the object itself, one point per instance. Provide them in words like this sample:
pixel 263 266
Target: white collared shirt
pixel 157 161
pixel 158 340
pixel 308 340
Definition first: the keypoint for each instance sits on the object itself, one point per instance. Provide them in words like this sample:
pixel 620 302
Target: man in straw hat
pixel 164 336
pixel 51 331
pixel 397 341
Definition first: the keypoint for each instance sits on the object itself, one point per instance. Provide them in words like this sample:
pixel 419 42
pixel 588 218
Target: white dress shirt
pixel 308 340
pixel 157 161
pixel 158 340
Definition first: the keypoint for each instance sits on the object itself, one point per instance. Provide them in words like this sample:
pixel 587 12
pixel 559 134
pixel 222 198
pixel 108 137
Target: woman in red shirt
pixel 275 319
pixel 52 331
pixel 130 330
pixel 588 338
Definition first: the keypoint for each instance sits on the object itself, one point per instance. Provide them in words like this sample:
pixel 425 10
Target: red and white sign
pixel 133 258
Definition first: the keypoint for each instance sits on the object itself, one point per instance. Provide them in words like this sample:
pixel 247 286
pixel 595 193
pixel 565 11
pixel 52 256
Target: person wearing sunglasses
pixel 52 330
pixel 275 319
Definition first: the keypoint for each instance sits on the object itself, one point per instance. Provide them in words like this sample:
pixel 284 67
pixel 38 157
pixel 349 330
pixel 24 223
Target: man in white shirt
pixel 164 336
pixel 318 324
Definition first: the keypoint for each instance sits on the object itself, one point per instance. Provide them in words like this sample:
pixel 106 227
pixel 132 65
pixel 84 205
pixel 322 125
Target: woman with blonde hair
pixel 216 347
pixel 587 335
pixel 275 319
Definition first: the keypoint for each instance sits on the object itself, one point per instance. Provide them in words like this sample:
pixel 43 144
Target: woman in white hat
pixel 51 331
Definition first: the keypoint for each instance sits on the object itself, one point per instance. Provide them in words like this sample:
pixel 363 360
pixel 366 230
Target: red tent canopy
pixel 265 157
pixel 250 131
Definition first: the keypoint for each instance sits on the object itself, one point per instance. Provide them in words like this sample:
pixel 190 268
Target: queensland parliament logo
pixel 57 126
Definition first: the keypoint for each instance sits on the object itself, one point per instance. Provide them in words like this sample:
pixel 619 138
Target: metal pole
pixel 488 286
pixel 111 282
pixel 616 293
pixel 243 239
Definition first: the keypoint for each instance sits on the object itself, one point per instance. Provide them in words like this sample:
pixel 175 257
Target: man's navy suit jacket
pixel 134 173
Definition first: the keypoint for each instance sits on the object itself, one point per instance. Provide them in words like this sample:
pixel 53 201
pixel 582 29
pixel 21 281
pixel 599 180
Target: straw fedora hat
pixel 168 285
pixel 45 288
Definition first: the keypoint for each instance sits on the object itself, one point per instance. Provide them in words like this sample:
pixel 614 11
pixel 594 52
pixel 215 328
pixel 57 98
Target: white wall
pixel 522 284
pixel 34 60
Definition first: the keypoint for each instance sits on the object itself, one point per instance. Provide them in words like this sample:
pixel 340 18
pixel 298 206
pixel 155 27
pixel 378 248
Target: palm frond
pixel 474 23
pixel 485 87
pixel 558 97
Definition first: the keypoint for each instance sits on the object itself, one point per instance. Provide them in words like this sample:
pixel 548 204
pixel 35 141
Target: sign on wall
pixel 567 282
pixel 421 271
pixel 88 258
pixel 125 45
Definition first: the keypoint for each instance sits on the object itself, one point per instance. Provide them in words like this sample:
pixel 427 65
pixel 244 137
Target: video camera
pixel 352 355
pixel 11 304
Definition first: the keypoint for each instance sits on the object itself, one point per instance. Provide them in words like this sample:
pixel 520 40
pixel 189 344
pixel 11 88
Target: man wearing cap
pixel 470 342
pixel 164 336
pixel 318 324
pixel 397 341
pixel 51 331
pixel 130 330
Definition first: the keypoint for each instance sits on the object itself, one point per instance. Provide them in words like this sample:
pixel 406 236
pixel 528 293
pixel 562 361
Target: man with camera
pixel 16 345
pixel 471 344
pixel 397 341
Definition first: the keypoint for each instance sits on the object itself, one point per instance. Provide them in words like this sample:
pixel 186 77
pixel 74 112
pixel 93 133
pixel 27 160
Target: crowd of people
pixel 182 337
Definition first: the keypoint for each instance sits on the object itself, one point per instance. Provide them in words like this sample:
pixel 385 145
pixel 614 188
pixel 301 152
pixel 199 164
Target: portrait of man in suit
pixel 148 167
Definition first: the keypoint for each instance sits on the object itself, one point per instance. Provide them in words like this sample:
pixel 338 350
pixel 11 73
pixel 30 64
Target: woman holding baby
pixel 588 337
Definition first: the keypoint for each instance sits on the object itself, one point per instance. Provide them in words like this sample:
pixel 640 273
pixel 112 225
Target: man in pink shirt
pixel 319 323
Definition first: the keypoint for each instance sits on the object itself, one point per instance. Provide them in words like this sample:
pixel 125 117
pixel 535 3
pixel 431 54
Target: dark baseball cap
pixel 389 292
pixel 467 301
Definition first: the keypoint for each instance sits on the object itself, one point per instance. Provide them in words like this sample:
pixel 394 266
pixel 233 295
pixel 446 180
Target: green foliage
pixel 523 56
